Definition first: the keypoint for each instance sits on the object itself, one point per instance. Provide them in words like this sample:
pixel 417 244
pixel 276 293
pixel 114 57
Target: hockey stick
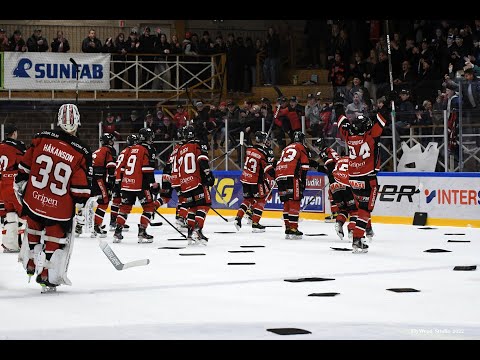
pixel 219 214
pixel 107 250
pixel 169 223
pixel 314 197
pixel 76 86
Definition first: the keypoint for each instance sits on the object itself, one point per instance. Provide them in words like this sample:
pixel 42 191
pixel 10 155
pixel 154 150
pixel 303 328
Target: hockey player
pixel 139 182
pixel 11 151
pixel 255 190
pixel 362 136
pixel 103 180
pixel 195 179
pixel 291 177
pixel 53 176
pixel 171 181
pixel 119 169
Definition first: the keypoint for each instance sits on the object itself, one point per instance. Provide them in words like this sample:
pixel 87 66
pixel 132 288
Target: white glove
pixel 19 189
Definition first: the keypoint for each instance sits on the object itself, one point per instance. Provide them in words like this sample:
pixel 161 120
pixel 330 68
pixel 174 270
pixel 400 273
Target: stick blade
pixel 134 263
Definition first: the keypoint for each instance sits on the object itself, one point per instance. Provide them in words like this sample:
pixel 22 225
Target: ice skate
pixel 143 237
pixel 359 246
pixel 113 226
pixel 117 236
pixel 47 286
pixel 180 222
pixel 288 233
pixel 97 230
pixel 296 234
pixel 126 227
pixel 257 228
pixel 369 234
pixel 238 223
pixel 202 239
pixel 191 240
pixel 339 230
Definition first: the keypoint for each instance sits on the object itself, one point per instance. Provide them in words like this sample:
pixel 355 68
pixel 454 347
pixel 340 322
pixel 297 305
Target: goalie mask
pixel 68 118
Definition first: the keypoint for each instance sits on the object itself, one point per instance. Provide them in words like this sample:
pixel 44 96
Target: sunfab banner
pixel 227 193
pixel 55 71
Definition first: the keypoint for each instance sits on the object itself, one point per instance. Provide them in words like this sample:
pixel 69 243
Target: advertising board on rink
pixel 54 71
pixel 441 195
pixel 227 192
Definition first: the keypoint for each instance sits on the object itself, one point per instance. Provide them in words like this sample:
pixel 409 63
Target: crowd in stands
pixel 241 53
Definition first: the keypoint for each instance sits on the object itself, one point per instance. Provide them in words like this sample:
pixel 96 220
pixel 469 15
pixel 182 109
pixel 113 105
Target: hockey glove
pixel 155 188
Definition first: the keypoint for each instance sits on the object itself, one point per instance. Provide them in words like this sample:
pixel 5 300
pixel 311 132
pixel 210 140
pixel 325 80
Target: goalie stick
pixel 107 250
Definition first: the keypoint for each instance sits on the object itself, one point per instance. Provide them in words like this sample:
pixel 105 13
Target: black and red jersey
pixel 103 161
pixel 139 168
pixel 256 165
pixel 293 161
pixel 58 167
pixel 191 161
pixel 11 153
pixel 363 149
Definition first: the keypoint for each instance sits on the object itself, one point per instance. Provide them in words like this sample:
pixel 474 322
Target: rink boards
pixel 448 198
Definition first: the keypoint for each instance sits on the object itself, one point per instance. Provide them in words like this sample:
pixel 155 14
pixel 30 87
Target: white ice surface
pixel 201 297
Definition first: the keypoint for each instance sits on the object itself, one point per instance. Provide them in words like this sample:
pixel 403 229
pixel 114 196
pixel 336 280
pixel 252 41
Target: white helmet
pixel 68 118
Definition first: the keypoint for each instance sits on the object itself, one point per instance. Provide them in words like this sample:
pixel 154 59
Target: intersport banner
pixel 55 71
pixel 441 195
pixel 227 192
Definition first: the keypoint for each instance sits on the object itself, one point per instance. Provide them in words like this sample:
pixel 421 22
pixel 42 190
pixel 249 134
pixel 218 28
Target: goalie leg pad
pixel 10 239
pixel 59 261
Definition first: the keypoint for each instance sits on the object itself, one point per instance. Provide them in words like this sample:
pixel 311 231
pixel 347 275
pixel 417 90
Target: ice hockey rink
pixel 184 296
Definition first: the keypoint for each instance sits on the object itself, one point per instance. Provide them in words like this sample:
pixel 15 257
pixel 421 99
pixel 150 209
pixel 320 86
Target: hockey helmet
pixel 68 118
pixel 107 139
pixel 146 135
pixel 189 132
pixel 361 125
pixel 298 136
pixel 261 137
pixel 132 139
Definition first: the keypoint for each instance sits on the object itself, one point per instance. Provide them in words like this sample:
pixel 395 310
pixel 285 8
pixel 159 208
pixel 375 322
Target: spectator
pixel 3 41
pixel 181 116
pixel 109 125
pixel 133 48
pixel 17 44
pixel 299 111
pixel 312 117
pixel 406 78
pixel 134 123
pixel 147 46
pixel 60 44
pixel 37 43
pixel 471 104
pixel 358 87
pixel 313 30
pixel 428 82
pixel 370 64
pixel 202 123
pixel 253 123
pixel 380 75
pixel 91 44
pixel 162 47
pixel 250 79
pixel 231 49
pixel 108 46
pixel 119 59
pixel 205 46
pixel 338 75
pixel 405 113
pixel 356 107
pixel 220 115
pixel 272 59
